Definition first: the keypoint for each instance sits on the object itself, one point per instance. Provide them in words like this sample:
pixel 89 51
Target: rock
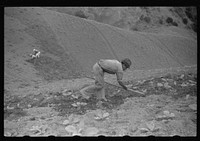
pixel 172 115
pixel 78 104
pixel 151 125
pixel 193 106
pixel 99 104
pixel 66 122
pixel 83 103
pixel 144 90
pixel 187 96
pixel 166 113
pixel 175 83
pixel 81 125
pixel 166 85
pixel 163 79
pixel 71 129
pixel 76 134
pixel 97 118
pixel 159 84
pixel 184 85
pixel 10 108
pixel 76 119
pixel 141 81
pixel 75 96
pixel 144 129
pixel 99 114
pixel 67 92
pixel 74 104
pixel 134 87
pixel 182 76
pixel 91 131
pixel 85 96
pixel 161 116
pixel 7 134
pixel 106 115
pixel 192 81
pixel 115 92
pixel 150 83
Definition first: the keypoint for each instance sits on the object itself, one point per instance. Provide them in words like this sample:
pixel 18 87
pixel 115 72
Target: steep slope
pixel 70 45
pixel 137 18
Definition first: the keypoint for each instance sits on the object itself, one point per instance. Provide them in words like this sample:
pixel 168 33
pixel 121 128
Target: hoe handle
pixel 118 86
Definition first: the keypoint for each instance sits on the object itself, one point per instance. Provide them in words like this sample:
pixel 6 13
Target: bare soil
pixel 128 113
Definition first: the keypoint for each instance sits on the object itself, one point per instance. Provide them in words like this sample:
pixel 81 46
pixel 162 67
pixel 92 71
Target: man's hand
pixel 123 86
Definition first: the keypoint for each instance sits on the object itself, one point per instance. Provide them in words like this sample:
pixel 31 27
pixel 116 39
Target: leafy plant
pixel 161 21
pixel 169 20
pixel 194 27
pixel 185 21
pixel 174 24
pixel 190 14
pixel 147 19
pixel 81 14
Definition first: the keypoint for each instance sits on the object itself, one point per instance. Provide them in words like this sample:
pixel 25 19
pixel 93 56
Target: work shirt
pixel 112 67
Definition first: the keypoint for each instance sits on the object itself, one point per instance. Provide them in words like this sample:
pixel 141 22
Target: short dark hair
pixel 127 62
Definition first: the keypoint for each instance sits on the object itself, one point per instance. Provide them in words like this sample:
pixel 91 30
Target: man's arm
pixel 119 79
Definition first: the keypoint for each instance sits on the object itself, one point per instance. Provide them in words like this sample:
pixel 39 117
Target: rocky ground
pixel 42 97
pixel 166 106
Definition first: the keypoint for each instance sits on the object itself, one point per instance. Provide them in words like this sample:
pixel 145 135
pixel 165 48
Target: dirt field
pixel 42 96
pixel 168 107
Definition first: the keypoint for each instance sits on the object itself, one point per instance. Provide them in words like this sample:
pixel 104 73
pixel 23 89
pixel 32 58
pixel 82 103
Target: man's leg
pixel 98 86
pixel 99 81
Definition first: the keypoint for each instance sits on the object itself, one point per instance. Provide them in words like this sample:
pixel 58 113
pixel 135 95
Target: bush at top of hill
pixel 81 14
pixel 185 21
pixel 140 18
pixel 191 13
pixel 169 20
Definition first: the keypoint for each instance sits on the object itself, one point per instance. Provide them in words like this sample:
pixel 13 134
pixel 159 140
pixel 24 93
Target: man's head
pixel 126 63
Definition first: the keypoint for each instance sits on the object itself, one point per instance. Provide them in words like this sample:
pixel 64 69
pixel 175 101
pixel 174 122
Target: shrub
pixel 174 24
pixel 169 20
pixel 185 21
pixel 194 27
pixel 134 28
pixel 147 19
pixel 188 11
pixel 161 21
pixel 191 14
pixel 141 17
pixel 81 14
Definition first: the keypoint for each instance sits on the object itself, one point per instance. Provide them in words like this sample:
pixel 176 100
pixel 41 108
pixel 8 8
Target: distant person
pixel 110 67
pixel 36 54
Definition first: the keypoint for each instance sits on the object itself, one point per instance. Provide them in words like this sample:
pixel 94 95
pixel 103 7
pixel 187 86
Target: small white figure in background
pixel 36 54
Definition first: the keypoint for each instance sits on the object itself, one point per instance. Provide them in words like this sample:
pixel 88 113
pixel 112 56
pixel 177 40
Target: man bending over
pixel 110 67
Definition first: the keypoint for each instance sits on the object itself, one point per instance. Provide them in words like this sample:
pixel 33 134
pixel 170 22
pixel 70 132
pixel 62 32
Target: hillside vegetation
pixel 137 18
